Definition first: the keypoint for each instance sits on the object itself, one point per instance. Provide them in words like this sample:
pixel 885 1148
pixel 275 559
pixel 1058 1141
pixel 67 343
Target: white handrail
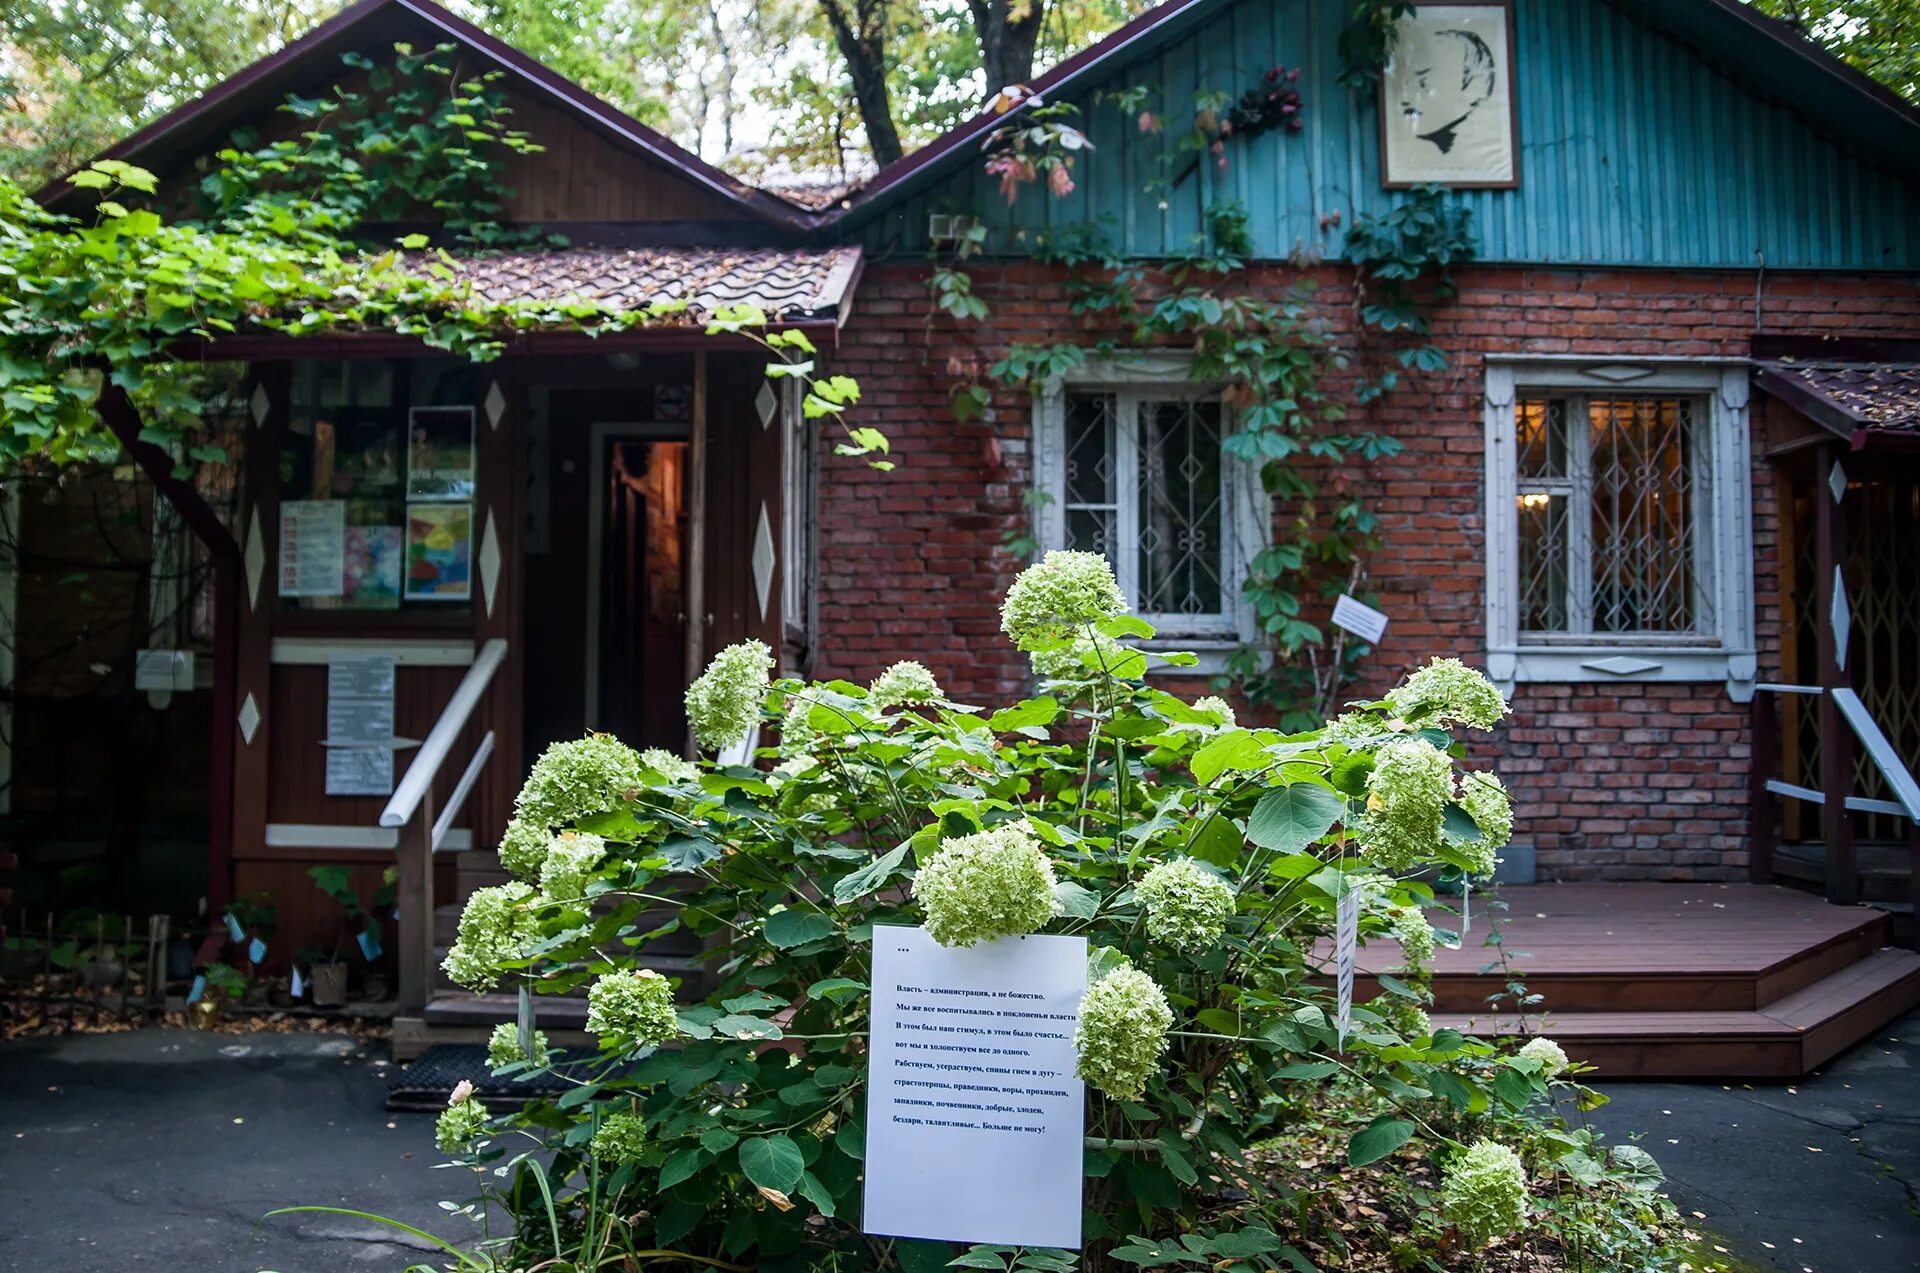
pixel 457 800
pixel 433 752
pixel 1885 758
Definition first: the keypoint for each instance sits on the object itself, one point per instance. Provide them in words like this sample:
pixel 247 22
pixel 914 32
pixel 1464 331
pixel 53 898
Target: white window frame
pixel 1246 510
pixel 1723 522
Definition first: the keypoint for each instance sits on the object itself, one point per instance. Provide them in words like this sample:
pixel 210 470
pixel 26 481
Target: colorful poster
pixel 440 453
pixel 373 566
pixel 312 547
pixel 439 552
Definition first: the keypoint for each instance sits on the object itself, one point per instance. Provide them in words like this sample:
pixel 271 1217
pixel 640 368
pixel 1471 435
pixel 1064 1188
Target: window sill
pixel 1213 653
pixel 1635 662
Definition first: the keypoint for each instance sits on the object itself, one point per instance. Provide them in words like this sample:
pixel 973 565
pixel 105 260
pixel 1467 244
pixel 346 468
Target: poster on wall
pixel 360 725
pixel 439 552
pixel 440 453
pixel 312 547
pixel 976 1120
pixel 373 566
pixel 1447 112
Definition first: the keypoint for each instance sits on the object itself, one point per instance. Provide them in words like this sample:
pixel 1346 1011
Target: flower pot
pixel 328 985
pixel 377 986
pixel 280 993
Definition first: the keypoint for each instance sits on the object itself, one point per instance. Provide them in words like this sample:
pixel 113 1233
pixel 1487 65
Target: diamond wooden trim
pixel 495 405
pixel 255 559
pixel 763 560
pixel 249 720
pixel 489 564
pixel 766 402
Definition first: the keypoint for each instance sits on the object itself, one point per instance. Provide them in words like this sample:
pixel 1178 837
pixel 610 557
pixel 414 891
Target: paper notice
pixel 975 1120
pixel 1362 620
pixel 313 548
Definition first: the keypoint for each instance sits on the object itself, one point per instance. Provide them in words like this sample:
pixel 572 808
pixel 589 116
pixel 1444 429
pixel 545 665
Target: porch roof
pixel 1848 396
pixel 790 284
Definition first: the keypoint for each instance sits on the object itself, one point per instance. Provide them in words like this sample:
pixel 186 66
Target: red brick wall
pixel 1610 781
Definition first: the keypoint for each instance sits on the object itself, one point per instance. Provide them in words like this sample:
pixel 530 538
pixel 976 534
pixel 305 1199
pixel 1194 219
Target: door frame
pixel 599 434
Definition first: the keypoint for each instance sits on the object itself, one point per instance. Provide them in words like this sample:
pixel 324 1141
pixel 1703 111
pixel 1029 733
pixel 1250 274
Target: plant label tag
pixel 1466 905
pixel 369 946
pixel 198 988
pixel 1360 619
pixel 256 951
pixel 299 987
pixel 234 930
pixel 1346 944
pixel 975 1118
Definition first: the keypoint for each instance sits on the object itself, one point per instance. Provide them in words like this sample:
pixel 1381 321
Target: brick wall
pixel 1610 781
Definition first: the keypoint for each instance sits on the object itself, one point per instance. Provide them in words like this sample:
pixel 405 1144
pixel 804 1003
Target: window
pixel 1618 542
pixel 1133 469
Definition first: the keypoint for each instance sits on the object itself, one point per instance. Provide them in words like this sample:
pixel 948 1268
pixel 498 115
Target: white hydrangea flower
pixel 634 1003
pixel 904 682
pixel 723 703
pixel 995 883
pixel 1552 1057
pixel 570 864
pixel 669 766
pixel 496 926
pixel 1447 690
pixel 1219 707
pixel 1407 795
pixel 1062 594
pixel 1483 1192
pixel 1065 667
pixel 1415 935
pixel 797 734
pixel 503 1047
pixel 523 847
pixel 1124 1019
pixel 1187 905
pixel 1353 727
pixel 577 779
pixel 1485 799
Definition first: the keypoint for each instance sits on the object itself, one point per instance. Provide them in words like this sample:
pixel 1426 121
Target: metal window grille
pixel 1145 487
pixel 1612 515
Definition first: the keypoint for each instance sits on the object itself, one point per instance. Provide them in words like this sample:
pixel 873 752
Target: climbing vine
pixel 116 297
pixel 1301 395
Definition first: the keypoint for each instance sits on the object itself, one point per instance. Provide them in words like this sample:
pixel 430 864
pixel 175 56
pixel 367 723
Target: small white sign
pixel 975 1119
pixel 1346 944
pixel 360 676
pixel 359 710
pixel 313 548
pixel 1360 619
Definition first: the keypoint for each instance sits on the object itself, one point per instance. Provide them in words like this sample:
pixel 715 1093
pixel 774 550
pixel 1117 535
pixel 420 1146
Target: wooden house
pixel 1669 468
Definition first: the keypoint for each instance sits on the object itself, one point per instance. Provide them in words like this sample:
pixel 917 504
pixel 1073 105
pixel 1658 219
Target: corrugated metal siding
pixel 1634 150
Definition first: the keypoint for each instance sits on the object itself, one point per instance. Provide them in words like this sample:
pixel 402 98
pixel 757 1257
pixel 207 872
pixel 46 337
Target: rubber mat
pixel 429 1080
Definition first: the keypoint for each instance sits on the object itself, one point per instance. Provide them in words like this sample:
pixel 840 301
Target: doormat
pixel 430 1079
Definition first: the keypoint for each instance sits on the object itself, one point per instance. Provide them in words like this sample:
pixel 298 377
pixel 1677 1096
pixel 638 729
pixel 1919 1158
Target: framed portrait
pixel 440 453
pixel 1447 109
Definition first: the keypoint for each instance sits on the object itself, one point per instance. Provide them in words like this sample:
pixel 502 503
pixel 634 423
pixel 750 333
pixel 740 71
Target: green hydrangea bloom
pixel 669 766
pixel 1124 1020
pixel 1483 1192
pixel 1485 799
pixel 496 926
pixel 523 847
pixel 503 1047
pixel 570 864
pixel 1351 728
pixel 620 1138
pixel 1219 707
pixel 1447 690
pixel 1062 594
pixel 904 682
pixel 1552 1057
pixel 1407 795
pixel 635 1003
pixel 1187 905
pixel 996 883
pixel 797 736
pixel 461 1123
pixel 1415 935
pixel 723 703
pixel 576 780
pixel 1066 667
pixel 1409 1019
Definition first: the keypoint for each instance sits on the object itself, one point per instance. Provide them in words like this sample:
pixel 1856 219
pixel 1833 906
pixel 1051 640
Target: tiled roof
pixel 791 284
pixel 1858 395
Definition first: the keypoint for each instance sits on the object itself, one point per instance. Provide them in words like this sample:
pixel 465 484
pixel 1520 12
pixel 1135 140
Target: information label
pixel 975 1120
pixel 359 710
pixel 1346 943
pixel 1360 619
pixel 313 548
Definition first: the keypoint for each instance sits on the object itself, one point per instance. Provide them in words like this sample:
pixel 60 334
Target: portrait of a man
pixel 1447 98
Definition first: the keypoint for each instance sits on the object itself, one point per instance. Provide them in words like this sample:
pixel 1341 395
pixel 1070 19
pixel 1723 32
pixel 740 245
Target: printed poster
pixel 975 1118
pixel 373 566
pixel 440 453
pixel 439 552
pixel 360 711
pixel 1446 98
pixel 312 547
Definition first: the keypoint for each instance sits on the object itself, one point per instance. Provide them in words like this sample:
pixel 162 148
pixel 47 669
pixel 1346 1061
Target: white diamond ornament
pixel 260 404
pixel 1837 482
pixel 249 720
pixel 763 559
pixel 1621 665
pixel 489 563
pixel 255 559
pixel 495 405
pixel 1841 618
pixel 766 402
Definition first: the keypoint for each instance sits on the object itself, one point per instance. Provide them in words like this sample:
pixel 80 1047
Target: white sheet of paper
pixel 1360 619
pixel 976 1123
pixel 360 676
pixel 313 548
pixel 359 771
pixel 1346 953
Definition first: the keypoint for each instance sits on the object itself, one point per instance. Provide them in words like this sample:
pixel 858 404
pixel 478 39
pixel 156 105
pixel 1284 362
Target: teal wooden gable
pixel 1647 137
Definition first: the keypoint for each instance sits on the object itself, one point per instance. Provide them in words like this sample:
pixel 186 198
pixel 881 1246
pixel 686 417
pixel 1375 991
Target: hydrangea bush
pixel 721 1119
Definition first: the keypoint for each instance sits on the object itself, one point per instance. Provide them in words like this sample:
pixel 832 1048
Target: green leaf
pixel 686 854
pixel 772 1162
pixel 1220 842
pixel 919 1256
pixel 682 1166
pixel 1076 901
pixel 1306 1070
pixel 1025 714
pixel 871 876
pixel 1457 826
pixel 718 1140
pixel 1375 1142
pixel 1234 749
pixel 836 989
pixel 1290 819
pixel 1102 960
pixel 792 927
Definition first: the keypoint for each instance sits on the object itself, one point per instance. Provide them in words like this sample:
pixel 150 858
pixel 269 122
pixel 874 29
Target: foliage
pixel 1876 36
pixel 749 1154
pixel 357 915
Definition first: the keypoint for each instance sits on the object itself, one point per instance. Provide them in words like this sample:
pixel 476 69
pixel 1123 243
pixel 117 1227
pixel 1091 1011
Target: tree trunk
pixel 861 38
pixel 1007 41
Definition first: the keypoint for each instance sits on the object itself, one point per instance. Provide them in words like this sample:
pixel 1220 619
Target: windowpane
pixel 1180 508
pixel 1542 435
pixel 1092 470
pixel 1543 563
pixel 1642 466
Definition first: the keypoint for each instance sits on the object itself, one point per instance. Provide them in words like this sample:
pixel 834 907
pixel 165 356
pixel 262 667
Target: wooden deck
pixel 1677 980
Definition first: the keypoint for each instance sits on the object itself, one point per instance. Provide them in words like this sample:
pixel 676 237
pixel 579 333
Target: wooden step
pixel 1787 1040
pixel 1885 871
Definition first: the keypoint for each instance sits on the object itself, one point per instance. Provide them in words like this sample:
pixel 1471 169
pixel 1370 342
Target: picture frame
pixel 440 457
pixel 1449 103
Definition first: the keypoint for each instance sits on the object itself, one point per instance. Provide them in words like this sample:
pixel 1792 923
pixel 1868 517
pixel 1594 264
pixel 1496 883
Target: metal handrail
pixel 458 800
pixel 1900 779
pixel 433 751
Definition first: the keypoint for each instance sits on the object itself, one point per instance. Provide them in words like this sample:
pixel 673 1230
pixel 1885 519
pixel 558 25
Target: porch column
pixel 1835 623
